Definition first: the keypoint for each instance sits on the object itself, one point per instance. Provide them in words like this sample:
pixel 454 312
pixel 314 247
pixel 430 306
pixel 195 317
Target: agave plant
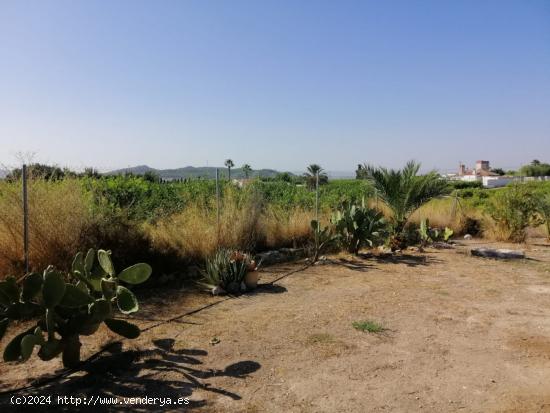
pixel 404 191
pixel 227 269
pixel 67 306
pixel 358 225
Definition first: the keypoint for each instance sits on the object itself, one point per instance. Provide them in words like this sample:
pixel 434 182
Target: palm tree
pixel 311 176
pixel 229 163
pixel 404 191
pixel 247 170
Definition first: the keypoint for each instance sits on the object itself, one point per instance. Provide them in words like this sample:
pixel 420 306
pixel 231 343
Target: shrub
pixel 535 169
pixel 543 208
pixel 358 225
pixel 69 306
pixel 513 210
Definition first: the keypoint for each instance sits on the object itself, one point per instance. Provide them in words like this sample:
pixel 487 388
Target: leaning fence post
pixel 25 219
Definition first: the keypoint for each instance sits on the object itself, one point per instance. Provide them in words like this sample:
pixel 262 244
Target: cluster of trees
pixel 535 168
pixel 49 172
pixel 309 178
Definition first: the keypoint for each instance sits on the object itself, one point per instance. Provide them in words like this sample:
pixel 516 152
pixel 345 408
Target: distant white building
pixel 497 181
pixel 482 173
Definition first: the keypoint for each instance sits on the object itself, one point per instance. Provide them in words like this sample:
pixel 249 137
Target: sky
pixel 275 84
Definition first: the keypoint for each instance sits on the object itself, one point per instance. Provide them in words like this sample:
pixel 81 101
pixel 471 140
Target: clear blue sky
pixel 275 84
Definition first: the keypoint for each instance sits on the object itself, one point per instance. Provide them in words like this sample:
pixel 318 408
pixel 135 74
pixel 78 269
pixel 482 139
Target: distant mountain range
pixel 207 172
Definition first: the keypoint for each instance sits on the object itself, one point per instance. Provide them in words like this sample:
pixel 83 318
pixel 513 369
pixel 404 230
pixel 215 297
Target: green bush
pixel 513 210
pixel 543 208
pixel 535 169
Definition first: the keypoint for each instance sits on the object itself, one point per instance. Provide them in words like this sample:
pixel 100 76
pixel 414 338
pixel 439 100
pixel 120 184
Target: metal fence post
pixel 25 219
pixel 218 207
pixel 317 197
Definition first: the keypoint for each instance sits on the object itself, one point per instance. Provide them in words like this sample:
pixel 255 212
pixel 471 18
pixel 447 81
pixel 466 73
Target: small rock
pixel 497 253
pixel 214 341
pixel 468 236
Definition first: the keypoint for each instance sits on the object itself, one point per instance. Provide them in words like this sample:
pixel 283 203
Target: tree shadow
pixel 354 264
pixel 365 261
pixel 161 372
pixel 268 288
pixel 407 259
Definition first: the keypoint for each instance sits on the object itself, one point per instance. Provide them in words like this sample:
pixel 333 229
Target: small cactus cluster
pixel 68 306
pixel 429 234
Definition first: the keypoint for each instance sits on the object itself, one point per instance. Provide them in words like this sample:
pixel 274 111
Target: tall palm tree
pixel 404 191
pixel 229 163
pixel 311 175
pixel 247 169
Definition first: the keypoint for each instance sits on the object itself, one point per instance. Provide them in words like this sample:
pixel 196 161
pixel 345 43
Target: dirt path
pixel 463 334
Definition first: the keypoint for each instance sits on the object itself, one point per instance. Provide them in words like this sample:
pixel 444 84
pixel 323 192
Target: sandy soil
pixel 462 334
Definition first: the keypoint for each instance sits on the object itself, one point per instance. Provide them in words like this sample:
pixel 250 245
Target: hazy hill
pixel 192 172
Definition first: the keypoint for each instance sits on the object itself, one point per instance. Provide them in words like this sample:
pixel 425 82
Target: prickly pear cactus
pixel 67 306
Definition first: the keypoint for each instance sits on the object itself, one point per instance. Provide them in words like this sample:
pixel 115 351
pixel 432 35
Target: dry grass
pixel 62 222
pixel 58 213
pixel 244 224
pixel 446 212
pixel 441 212
pixel 286 227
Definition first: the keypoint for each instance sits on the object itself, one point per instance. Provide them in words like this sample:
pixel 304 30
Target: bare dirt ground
pixel 463 334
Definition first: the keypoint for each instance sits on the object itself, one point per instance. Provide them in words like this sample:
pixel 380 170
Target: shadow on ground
pixel 365 262
pixel 360 264
pixel 161 372
pixel 407 259
pixel 268 288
